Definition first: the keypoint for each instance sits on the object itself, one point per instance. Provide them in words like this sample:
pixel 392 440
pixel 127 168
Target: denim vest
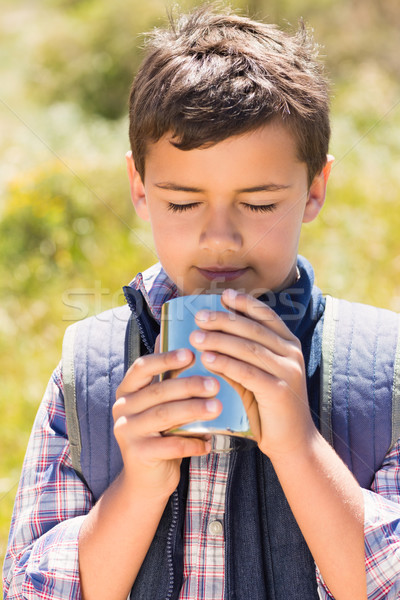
pixel 266 555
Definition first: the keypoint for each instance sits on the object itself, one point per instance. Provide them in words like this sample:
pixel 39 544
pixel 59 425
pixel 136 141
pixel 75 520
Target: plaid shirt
pixel 51 504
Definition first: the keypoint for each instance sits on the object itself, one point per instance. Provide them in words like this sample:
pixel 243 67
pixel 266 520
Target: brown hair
pixel 211 76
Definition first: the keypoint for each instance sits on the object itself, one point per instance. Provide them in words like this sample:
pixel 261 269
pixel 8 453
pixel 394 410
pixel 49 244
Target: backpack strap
pixel 68 372
pixel 107 343
pixel 328 345
pixel 360 384
pixel 396 396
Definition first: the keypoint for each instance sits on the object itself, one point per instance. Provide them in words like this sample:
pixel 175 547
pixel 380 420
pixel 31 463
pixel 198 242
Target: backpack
pixel 359 399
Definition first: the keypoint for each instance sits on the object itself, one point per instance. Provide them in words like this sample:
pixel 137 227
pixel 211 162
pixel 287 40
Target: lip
pixel 222 274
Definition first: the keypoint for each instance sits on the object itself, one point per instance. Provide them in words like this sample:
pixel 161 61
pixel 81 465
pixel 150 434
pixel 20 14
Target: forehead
pixel 269 152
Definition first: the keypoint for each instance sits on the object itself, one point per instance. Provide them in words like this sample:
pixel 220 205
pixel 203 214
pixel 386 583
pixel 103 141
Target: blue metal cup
pixel 230 430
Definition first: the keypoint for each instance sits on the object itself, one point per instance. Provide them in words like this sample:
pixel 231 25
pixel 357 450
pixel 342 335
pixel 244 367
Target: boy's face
pixel 229 215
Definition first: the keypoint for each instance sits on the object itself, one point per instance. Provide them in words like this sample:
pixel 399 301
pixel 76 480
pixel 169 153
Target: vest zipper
pixel 174 521
pixel 145 333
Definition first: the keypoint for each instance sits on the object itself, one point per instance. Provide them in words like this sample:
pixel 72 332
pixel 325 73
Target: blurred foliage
pixel 68 236
pixel 89 55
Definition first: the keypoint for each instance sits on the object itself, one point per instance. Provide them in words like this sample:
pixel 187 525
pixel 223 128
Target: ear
pixel 317 192
pixel 138 194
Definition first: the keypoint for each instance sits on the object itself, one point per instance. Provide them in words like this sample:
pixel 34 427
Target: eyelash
pixel 261 207
pixel 252 207
pixel 181 207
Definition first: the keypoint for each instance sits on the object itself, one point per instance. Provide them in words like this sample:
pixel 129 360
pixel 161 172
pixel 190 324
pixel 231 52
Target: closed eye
pixel 263 208
pixel 181 207
pixel 260 207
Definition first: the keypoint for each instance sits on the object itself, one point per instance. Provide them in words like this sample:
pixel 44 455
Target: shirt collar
pixel 156 287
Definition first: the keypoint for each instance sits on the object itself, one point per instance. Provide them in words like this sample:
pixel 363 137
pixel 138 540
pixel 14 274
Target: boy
pixel 229 132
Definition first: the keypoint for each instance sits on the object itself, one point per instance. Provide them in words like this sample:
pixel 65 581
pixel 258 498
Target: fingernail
pixel 208 447
pixel 230 294
pixel 203 315
pixel 209 357
pixel 199 336
pixel 181 355
pixel 211 405
pixel 209 384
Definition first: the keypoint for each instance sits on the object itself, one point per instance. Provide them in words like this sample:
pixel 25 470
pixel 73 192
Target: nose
pixel 220 233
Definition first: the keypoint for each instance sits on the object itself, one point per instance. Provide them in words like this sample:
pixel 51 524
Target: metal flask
pixel 230 430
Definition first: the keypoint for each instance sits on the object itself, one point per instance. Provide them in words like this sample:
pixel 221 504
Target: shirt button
pixel 216 528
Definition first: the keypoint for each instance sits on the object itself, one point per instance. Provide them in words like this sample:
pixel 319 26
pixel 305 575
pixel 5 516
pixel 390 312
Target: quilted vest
pixel 353 366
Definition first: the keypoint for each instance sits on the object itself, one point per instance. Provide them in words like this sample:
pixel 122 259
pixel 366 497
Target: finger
pixel 243 327
pixel 142 372
pixel 172 447
pixel 180 388
pixel 249 351
pixel 257 310
pixel 247 375
pixel 169 415
pixel 262 383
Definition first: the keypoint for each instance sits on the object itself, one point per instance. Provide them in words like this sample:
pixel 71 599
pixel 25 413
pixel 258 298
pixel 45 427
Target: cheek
pixel 170 239
pixel 286 229
pixel 167 228
pixel 276 240
pixel 267 233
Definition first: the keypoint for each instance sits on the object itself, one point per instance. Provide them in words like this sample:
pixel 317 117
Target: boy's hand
pixel 145 407
pixel 258 355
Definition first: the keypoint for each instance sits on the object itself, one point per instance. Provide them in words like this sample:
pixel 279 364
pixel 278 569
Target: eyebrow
pixel 268 187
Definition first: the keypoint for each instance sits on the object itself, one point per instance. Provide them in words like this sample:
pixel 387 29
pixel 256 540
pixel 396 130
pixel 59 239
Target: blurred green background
pixel 68 235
